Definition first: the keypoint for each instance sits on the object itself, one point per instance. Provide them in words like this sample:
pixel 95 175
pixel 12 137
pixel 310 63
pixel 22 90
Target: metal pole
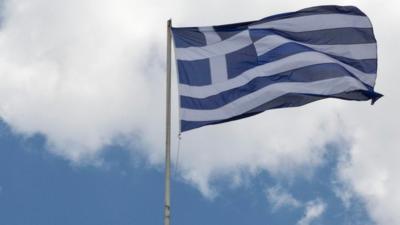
pixel 167 206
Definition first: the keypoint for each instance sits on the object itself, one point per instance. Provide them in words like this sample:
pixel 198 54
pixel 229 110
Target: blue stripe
pixel 241 60
pixel 348 35
pixel 195 72
pixel 305 74
pixel 364 65
pixel 237 27
pixel 299 99
pixel 282 51
pixel 289 100
pixel 187 37
pixel 327 9
pixel 287 49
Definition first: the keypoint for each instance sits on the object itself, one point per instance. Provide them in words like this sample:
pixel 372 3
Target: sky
pixel 82 86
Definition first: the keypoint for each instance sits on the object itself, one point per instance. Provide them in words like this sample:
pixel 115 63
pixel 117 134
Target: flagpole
pixel 167 204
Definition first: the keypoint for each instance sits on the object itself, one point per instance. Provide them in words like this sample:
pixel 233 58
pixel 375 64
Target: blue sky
pixel 82 125
pixel 40 188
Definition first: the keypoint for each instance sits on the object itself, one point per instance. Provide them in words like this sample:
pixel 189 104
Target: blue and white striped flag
pixel 234 71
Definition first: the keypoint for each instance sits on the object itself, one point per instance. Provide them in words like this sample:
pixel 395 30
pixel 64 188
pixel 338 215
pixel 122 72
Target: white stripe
pixel 258 98
pixel 218 69
pixel 265 44
pixel 288 63
pixel 229 45
pixel 316 22
pixel 218 66
pixel 352 51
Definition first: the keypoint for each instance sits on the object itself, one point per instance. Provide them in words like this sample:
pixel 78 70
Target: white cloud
pixel 314 210
pixel 78 72
pixel 88 73
pixel 280 198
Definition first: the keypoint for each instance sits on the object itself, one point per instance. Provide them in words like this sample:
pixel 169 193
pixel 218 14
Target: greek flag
pixel 233 71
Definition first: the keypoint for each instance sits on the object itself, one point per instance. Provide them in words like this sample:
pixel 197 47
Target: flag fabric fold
pixel 233 71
